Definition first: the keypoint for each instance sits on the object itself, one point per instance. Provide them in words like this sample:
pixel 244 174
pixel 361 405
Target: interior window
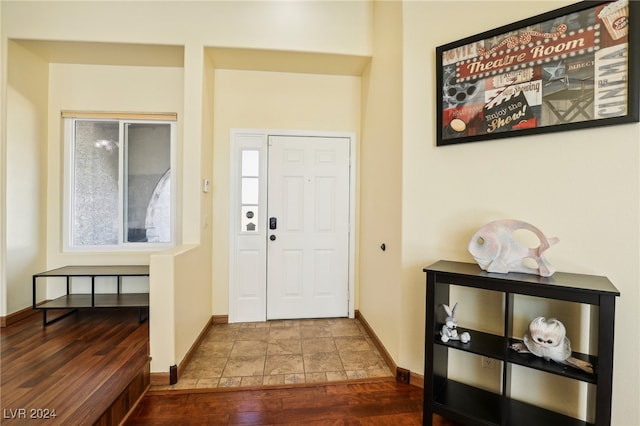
pixel 119 183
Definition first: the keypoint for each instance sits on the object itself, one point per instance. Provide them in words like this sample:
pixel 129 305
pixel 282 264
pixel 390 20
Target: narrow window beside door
pixel 250 197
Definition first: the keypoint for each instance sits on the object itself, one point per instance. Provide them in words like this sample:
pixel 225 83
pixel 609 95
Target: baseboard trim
pixel 415 379
pixel 160 379
pixel 185 361
pixel 17 316
pixel 164 378
pixel 376 341
pixel 220 319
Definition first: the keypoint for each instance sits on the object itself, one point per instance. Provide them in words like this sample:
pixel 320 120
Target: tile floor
pixel 282 352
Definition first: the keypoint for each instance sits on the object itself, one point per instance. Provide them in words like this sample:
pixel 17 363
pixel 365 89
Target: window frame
pixel 69 128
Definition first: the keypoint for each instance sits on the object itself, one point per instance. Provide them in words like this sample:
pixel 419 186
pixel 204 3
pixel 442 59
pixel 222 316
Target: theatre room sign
pixel 566 69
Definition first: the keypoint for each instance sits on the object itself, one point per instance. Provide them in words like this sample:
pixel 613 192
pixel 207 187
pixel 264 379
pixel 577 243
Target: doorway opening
pixel 292 225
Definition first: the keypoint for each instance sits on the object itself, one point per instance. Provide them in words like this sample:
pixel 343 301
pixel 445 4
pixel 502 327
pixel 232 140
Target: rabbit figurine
pixel 449 329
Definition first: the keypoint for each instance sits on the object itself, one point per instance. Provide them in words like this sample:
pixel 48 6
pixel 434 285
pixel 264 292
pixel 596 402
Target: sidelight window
pixel 250 190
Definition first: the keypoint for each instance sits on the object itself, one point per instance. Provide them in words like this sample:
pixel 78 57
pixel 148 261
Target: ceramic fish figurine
pixel 547 339
pixel 496 250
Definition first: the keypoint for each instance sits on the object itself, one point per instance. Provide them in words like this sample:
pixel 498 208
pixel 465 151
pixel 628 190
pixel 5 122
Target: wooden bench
pixel 74 301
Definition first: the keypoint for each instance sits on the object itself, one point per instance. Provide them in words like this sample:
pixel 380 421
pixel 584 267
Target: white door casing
pixel 249 243
pixel 308 228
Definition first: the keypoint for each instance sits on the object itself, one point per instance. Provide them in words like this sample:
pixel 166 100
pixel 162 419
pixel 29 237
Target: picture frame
pixel 571 68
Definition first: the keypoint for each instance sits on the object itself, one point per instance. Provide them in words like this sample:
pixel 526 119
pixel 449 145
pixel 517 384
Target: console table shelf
pixel 475 406
pixel 73 301
pixel 126 300
pixel 481 407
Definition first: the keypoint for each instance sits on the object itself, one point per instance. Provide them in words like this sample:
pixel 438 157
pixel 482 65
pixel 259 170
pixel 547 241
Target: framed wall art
pixel 571 68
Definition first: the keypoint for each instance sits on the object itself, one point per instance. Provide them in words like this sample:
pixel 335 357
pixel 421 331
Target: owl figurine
pixel 547 339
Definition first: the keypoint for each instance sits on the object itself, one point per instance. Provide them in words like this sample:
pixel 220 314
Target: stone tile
pixel 204 354
pixel 361 360
pixel 281 333
pixel 362 328
pixel 322 362
pixel 253 334
pixel 243 348
pixel 207 383
pixel 315 331
pixel 284 364
pixel 275 379
pixel 204 368
pixel 251 381
pixel 336 376
pixel 227 326
pixel 343 322
pixel 284 347
pixel 256 324
pixel 229 382
pixel 214 348
pixel 284 323
pixel 221 334
pixel 294 378
pixel 185 384
pixel 356 343
pixel 282 352
pixel 372 345
pixel 200 361
pixel 379 372
pixel 315 377
pixel 323 322
pixel 357 374
pixel 341 329
pixel 246 325
pixel 244 366
pixel 313 346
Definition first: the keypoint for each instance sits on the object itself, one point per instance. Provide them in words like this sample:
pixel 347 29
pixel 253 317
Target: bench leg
pixel 44 317
pixel 140 318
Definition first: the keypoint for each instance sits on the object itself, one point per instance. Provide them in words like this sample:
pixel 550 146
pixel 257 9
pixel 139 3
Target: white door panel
pixel 308 258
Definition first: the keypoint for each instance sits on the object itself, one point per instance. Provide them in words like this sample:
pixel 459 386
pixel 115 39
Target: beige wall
pixel 161 70
pixel 100 88
pixel 25 174
pixel 422 202
pixel 380 219
pixel 180 302
pixel 316 26
pixel 582 186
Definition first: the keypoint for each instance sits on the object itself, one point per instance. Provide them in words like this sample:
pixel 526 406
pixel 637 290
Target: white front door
pixel 308 227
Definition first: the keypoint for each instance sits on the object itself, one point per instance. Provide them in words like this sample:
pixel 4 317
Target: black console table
pixel 73 302
pixel 471 405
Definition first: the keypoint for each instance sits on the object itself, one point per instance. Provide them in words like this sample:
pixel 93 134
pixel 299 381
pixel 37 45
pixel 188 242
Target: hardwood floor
pixel 384 402
pixel 87 368
pixel 92 366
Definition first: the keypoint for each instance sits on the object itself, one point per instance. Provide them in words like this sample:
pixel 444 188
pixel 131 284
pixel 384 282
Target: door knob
pixel 272 237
